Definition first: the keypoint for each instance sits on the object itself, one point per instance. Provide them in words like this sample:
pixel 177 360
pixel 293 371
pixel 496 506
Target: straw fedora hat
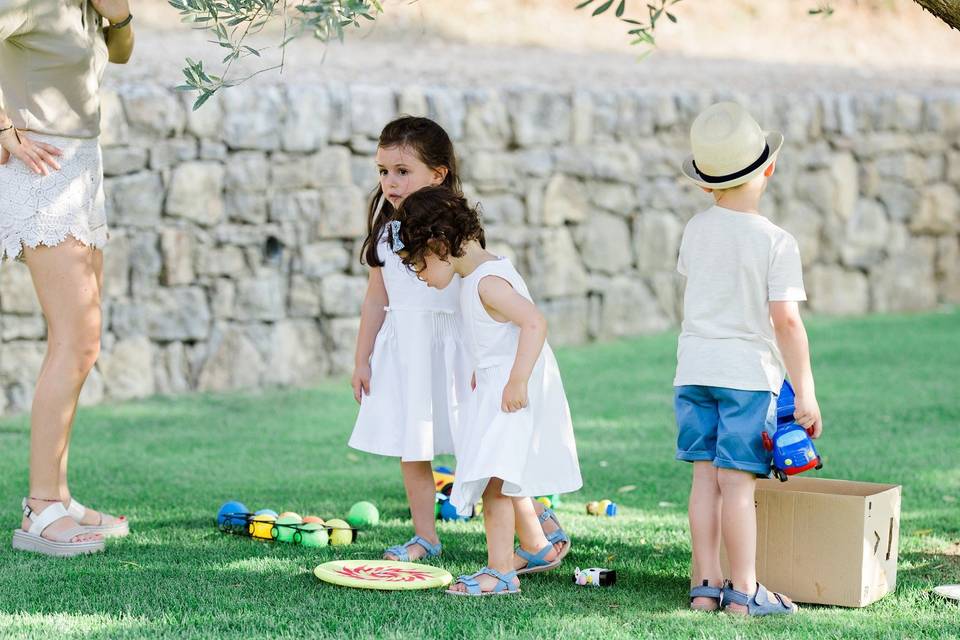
pixel 729 147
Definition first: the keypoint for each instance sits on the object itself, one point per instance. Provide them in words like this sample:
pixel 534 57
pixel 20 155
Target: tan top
pixel 52 56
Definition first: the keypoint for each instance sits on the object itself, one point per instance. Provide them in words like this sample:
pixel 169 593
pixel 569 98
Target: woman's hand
pixel 40 157
pixel 360 381
pixel 514 395
pixel 113 10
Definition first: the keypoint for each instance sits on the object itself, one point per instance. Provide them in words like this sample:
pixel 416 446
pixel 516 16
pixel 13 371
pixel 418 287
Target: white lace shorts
pixel 36 209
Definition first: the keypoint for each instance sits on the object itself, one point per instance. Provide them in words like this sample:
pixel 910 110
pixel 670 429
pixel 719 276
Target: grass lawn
pixel 888 387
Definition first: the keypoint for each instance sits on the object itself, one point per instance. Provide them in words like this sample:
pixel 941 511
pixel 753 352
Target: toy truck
pixel 792 447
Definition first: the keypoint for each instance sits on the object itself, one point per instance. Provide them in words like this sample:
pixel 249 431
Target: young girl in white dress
pixel 515 437
pixel 411 364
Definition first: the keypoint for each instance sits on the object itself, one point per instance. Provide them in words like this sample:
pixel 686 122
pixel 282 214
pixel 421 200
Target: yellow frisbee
pixel 388 575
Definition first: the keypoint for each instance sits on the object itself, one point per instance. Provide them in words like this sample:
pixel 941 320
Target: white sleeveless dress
pixel 532 450
pixel 420 370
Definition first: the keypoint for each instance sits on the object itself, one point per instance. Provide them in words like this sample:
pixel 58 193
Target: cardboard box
pixel 827 541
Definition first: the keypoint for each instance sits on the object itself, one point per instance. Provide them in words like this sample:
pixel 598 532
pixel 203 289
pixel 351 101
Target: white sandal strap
pixel 71 533
pixel 76 510
pixel 42 520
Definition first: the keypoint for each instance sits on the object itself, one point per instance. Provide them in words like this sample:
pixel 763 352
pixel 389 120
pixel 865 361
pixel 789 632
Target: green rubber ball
pixel 363 515
pixel 284 529
pixel 313 534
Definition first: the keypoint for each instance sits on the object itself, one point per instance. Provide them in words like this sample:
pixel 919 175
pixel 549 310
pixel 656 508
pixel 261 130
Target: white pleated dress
pixel 532 450
pixel 420 370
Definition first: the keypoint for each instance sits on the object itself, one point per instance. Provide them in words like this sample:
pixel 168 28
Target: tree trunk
pixel 946 10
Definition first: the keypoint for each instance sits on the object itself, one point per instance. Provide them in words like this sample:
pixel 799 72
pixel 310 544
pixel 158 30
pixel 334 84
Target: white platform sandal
pixel 118 529
pixel 31 540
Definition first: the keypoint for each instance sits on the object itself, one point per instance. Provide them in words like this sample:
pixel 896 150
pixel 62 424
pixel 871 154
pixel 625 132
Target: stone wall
pixel 235 229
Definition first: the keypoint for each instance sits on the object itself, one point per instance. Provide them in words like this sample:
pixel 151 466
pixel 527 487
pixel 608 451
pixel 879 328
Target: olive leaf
pixel 233 22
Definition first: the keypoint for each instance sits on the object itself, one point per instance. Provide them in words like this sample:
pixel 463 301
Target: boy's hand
pixel 807 415
pixel 514 396
pixel 473 382
pixel 360 381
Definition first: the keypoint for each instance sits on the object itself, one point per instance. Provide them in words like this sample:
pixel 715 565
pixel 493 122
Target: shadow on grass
pixel 931 567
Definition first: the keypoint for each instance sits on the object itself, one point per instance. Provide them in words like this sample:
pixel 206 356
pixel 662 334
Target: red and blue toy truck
pixel 792 447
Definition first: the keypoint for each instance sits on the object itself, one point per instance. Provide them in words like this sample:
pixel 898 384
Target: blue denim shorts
pixel 725 426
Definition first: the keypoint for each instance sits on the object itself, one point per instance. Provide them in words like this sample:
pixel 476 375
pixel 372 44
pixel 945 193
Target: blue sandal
pixel 537 562
pixel 706 591
pixel 761 603
pixel 401 551
pixel 504 585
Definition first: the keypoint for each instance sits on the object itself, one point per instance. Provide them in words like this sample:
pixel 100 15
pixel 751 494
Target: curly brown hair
pixel 439 221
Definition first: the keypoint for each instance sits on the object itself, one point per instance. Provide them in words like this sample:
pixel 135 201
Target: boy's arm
pixel 792 340
pixel 505 304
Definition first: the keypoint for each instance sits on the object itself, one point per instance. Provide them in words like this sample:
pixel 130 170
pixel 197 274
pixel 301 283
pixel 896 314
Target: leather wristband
pixel 122 23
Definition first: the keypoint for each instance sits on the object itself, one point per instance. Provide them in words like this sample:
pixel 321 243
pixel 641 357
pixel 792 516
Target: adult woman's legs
pixel 90 517
pixel 67 280
pixel 97 263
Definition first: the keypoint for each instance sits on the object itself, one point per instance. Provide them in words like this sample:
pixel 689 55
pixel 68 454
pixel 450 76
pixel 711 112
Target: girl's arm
pixel 119 41
pixel 371 319
pixel 506 305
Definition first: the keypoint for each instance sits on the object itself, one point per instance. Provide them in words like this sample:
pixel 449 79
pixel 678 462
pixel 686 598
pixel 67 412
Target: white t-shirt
pixel 735 264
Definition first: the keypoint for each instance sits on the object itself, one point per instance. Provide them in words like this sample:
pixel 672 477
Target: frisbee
pixel 387 575
pixel 948 591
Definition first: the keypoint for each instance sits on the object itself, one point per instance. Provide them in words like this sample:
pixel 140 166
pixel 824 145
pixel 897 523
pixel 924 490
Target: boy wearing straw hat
pixel 741 329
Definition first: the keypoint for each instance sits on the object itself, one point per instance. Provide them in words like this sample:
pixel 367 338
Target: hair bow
pixel 396 244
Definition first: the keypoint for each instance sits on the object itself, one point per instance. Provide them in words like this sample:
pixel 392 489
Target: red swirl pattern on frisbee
pixel 384 574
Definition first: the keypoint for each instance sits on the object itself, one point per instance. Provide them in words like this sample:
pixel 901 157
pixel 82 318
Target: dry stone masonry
pixel 236 229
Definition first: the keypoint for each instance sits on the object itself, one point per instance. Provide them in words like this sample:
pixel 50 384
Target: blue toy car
pixel 793 450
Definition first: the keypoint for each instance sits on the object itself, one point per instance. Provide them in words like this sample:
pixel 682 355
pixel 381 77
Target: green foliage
pixel 824 9
pixel 641 31
pixel 233 22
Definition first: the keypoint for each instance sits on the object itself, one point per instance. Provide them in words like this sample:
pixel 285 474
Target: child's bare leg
pixel 739 527
pixel 499 523
pixel 498 520
pixel 548 526
pixel 531 534
pixel 421 494
pixel 704 514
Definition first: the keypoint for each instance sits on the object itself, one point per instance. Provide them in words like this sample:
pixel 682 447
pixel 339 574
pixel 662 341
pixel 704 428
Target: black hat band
pixel 738 174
